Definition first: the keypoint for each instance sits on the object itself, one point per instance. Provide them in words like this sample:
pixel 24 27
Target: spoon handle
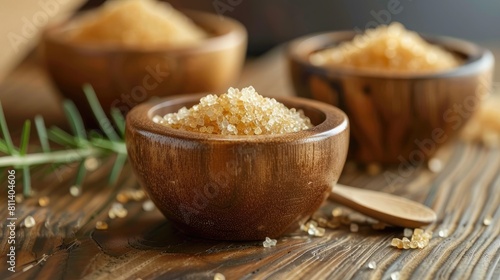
pixel 387 208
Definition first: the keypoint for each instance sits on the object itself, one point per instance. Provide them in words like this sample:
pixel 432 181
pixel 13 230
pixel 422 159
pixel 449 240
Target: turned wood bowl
pixel 237 187
pixel 395 118
pixel 126 76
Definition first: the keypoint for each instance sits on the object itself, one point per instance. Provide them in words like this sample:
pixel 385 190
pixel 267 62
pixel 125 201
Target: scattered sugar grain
pixel 395 275
pixel 419 239
pixel 435 165
pixel 137 195
pixel 75 191
pixel 427 234
pixel 43 201
pixel 395 242
pixel 122 197
pixel 268 243
pixel 406 243
pixel 19 198
pixel 372 265
pixel 117 211
pixel 219 276
pixel 111 214
pixel 148 205
pixel 121 213
pixel 418 231
pixel 487 220
pixel 337 212
pixel 313 229
pixel 100 225
pixel 320 231
pixel 91 163
pixel 408 232
pixel 443 233
pixel 29 222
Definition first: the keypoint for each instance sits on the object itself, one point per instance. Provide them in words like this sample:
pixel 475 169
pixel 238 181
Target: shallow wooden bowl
pixel 237 187
pixel 124 77
pixel 395 118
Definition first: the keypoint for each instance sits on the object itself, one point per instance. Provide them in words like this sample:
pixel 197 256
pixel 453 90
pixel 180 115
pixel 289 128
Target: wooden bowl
pixel 237 187
pixel 124 77
pixel 395 118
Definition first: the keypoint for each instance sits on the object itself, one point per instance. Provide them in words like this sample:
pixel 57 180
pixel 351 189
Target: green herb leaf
pixel 25 137
pixel 75 119
pixel 61 137
pixel 3 147
pixel 119 120
pixel 117 168
pixel 26 181
pixel 99 114
pixel 42 133
pixel 6 134
pixel 80 174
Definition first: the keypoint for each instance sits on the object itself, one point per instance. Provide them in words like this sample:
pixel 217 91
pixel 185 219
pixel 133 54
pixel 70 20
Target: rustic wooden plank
pixel 145 245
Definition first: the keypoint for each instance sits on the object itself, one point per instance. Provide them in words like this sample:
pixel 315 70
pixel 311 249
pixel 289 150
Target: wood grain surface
pixel 64 243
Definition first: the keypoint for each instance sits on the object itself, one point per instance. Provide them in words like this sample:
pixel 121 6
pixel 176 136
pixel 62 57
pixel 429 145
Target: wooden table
pixel 64 243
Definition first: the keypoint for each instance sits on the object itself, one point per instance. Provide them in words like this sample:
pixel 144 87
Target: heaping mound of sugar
pixel 237 112
pixel 136 23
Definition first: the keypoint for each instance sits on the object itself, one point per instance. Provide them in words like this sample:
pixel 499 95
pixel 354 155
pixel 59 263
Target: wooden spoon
pixel 387 208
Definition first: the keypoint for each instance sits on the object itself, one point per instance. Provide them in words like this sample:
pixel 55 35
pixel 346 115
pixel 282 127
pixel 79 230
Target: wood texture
pixel 65 245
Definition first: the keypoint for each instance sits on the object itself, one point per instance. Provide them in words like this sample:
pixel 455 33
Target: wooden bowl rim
pixel 234 36
pixel 478 60
pixel 139 119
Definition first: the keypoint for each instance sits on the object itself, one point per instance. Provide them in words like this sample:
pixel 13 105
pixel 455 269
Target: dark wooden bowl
pixel 124 77
pixel 237 187
pixel 395 118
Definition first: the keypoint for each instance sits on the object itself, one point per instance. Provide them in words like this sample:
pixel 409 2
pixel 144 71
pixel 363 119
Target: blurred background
pixel 271 22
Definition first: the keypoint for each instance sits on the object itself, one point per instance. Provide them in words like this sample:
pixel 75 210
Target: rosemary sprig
pixel 77 146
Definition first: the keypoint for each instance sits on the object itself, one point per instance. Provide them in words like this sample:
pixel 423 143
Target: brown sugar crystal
pixel 237 112
pixel 387 48
pixel 136 23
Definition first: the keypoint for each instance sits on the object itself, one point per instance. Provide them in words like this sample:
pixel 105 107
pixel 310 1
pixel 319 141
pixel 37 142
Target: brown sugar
pixel 484 126
pixel 237 112
pixel 387 48
pixel 136 23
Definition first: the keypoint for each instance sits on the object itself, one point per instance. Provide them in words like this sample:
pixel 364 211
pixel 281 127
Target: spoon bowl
pixel 237 187
pixel 390 209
